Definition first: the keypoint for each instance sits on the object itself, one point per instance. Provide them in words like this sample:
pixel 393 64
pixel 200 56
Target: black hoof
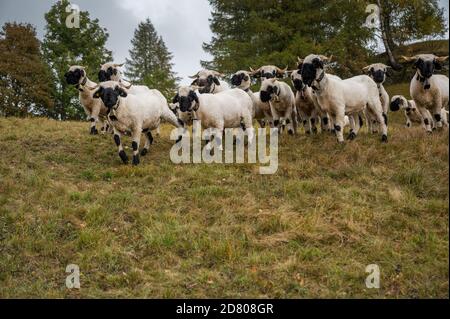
pixel 136 160
pixel 430 132
pixel 384 139
pixel 144 152
pixel 315 131
pixel 94 131
pixel 291 132
pixel 351 136
pixel 123 157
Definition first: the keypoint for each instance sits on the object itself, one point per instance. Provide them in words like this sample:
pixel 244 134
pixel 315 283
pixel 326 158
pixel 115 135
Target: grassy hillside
pixel 165 230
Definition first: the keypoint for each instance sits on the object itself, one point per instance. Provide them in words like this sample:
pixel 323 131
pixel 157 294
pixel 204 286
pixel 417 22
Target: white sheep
pixel 113 72
pixel 430 91
pixel 94 108
pixel 227 109
pixel 133 113
pixel 343 97
pixel 282 103
pixel 378 72
pixel 261 111
pixel 412 114
pixel 209 82
pixel 307 106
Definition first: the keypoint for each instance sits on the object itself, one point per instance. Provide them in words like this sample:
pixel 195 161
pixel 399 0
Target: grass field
pixel 162 230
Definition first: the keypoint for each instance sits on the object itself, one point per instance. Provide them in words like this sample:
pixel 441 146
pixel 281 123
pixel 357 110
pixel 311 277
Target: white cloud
pixel 183 24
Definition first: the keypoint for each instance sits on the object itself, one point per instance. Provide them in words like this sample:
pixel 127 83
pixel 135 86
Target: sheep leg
pixel 148 142
pixel 117 139
pixel 339 122
pixel 438 114
pixel 94 119
pixel 383 127
pixel 136 136
pixel 409 122
pixel 426 119
pixel 289 120
pixel 353 130
pixel 276 117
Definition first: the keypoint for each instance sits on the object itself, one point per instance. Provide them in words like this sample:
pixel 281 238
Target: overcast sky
pixel 183 24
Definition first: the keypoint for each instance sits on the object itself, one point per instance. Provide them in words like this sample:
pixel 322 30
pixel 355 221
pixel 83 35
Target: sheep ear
pixel 366 69
pixel 97 93
pixel 122 92
pixel 216 81
pixel 437 65
pixel 176 99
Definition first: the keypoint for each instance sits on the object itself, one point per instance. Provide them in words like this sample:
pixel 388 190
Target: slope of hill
pixel 165 230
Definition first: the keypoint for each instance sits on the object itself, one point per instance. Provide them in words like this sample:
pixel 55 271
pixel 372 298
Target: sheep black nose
pixel 395 106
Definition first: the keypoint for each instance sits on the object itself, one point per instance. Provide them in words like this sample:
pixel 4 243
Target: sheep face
pixel 311 69
pixel 109 92
pixel 75 75
pixel 297 81
pixel 109 72
pixel 206 79
pixel 187 99
pixel 378 72
pixel 269 89
pixel 399 102
pixel 426 64
pixel 268 72
pixel 241 79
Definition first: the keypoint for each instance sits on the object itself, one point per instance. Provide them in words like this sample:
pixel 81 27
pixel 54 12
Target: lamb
pixel 282 103
pixel 430 91
pixel 268 72
pixel 343 97
pixel 112 72
pixel 307 106
pixel 261 111
pixel 228 109
pixel 209 82
pixel 133 113
pixel 378 72
pixel 94 109
pixel 412 114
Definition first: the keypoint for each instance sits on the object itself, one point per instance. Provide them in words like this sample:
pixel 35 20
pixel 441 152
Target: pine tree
pixel 254 32
pixel 25 80
pixel 251 33
pixel 65 46
pixel 150 60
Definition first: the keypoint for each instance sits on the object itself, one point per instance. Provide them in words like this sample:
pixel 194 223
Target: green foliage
pixel 407 20
pixel 65 46
pixel 150 62
pixel 253 33
pixel 25 81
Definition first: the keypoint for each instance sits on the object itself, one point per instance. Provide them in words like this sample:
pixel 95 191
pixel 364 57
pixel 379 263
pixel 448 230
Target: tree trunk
pixel 384 34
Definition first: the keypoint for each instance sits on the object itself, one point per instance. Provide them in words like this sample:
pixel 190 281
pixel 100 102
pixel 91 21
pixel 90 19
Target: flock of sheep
pixel 320 98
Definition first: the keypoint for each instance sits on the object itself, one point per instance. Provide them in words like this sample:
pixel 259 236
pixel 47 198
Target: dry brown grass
pixel 162 230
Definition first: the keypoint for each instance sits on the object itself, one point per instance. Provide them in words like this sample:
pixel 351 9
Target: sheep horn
pixel 409 59
pixel 442 59
pixel 93 88
pixel 124 86
pixel 194 76
pixel 253 72
pixel 119 65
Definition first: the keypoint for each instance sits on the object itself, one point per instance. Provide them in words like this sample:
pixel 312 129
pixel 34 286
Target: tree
pixel 25 80
pixel 64 46
pixel 150 60
pixel 256 32
pixel 403 21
